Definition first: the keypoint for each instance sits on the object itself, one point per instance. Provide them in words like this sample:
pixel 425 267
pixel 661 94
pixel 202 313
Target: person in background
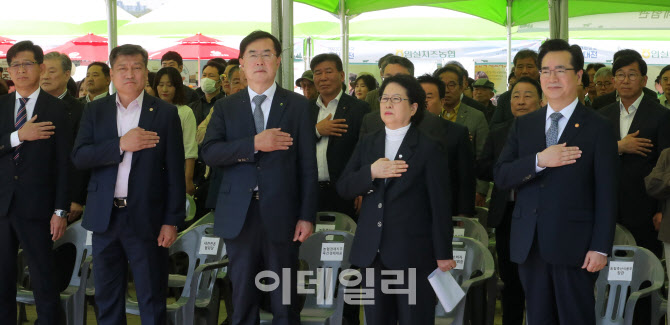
pixel 613 97
pixel 373 96
pixel 483 93
pixel 81 89
pixel 525 65
pixel 72 87
pixel 168 86
pixel 174 59
pixel 225 79
pixel 664 81
pixel 210 84
pixel 363 85
pixel 582 89
pixel 97 81
pixel 10 86
pixel 467 86
pixel 306 84
pixel 591 70
pixel 604 81
pixel 511 80
pixel 149 87
pixel 4 90
pixel 470 89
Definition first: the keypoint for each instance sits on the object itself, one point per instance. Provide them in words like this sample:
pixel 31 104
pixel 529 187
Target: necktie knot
pixel 555 117
pixel 24 101
pixel 259 99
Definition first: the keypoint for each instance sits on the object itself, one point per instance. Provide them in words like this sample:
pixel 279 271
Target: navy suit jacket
pixel 286 179
pixel 636 208
pixel 571 209
pixel 340 148
pixel 408 219
pixel 495 142
pixel 38 184
pixel 156 186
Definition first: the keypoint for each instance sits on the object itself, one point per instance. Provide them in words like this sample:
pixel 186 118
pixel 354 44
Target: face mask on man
pixel 208 85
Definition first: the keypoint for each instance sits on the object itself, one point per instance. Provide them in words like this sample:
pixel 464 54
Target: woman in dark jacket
pixel 405 219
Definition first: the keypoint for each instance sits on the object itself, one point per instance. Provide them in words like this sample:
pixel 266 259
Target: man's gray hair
pixel 603 72
pixel 65 61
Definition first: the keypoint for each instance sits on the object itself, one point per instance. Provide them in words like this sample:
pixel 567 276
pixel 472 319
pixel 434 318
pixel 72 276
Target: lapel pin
pixel 281 104
pixel 400 156
pixel 344 107
pixel 151 109
pixel 576 125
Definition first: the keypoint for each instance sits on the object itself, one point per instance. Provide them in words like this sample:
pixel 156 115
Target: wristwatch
pixel 61 213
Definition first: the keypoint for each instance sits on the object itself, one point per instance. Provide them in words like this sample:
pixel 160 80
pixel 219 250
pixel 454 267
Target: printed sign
pixel 460 232
pixel 620 271
pixel 459 258
pixel 89 238
pixel 332 252
pixel 209 246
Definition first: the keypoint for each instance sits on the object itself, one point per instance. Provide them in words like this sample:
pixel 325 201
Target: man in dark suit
pixel 34 146
pixel 526 98
pixel 338 119
pixel 263 140
pixel 468 100
pixel 643 127
pixel 525 65
pixel 562 162
pixel 58 68
pixel 97 82
pixel 613 97
pixel 132 143
pixel 453 139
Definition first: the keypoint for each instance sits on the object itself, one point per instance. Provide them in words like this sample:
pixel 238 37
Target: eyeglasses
pixel 26 65
pixel 393 99
pixel 452 85
pixel 560 72
pixel 603 84
pixel 255 57
pixel 622 76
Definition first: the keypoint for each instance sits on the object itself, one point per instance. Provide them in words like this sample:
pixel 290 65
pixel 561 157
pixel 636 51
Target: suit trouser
pixel 513 299
pixel 252 252
pixel 557 294
pixel 35 239
pixel 394 308
pixel 112 250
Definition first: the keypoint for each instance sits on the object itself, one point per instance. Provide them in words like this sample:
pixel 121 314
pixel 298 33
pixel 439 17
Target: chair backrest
pixel 190 208
pixel 207 219
pixel 329 220
pixel 622 236
pixel 327 250
pixel 478 266
pixel 472 227
pixel 612 296
pixel 76 235
pixel 190 243
pixel 482 214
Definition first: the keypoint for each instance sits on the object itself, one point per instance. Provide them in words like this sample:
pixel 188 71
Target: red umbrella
pixel 5 44
pixel 89 47
pixel 199 47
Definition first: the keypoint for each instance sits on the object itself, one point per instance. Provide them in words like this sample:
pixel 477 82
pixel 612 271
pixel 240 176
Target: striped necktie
pixel 21 118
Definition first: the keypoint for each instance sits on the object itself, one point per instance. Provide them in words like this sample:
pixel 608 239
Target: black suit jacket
pixel 78 178
pixel 492 148
pixel 156 188
pixel 636 208
pixel 38 183
pixel 340 148
pixel 503 111
pixel 286 179
pixel 408 218
pixel 607 99
pixel 453 139
pixel 476 105
pixel 571 209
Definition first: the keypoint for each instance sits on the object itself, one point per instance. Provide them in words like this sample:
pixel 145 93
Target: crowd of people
pixel 565 154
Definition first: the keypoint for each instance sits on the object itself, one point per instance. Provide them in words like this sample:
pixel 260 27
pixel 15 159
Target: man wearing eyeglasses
pixel 613 96
pixel 643 126
pixel 561 160
pixel 263 139
pixel 34 146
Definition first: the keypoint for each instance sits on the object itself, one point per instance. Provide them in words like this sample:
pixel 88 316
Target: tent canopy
pixel 523 11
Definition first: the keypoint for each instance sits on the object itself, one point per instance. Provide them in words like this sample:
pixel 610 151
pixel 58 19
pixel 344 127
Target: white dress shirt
pixel 322 145
pixel 127 118
pixel 30 108
pixel 626 117
pixel 567 113
pixel 265 106
pixel 394 140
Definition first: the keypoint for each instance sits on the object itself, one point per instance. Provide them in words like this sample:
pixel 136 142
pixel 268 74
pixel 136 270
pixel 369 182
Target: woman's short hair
pixel 415 93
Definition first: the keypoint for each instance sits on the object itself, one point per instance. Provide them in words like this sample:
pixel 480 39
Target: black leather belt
pixel 255 196
pixel 120 202
pixel 325 184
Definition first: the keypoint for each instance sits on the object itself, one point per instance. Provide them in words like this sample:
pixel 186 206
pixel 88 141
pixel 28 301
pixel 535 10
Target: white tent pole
pixel 276 31
pixel 111 31
pixel 509 36
pixel 287 44
pixel 558 19
pixel 344 37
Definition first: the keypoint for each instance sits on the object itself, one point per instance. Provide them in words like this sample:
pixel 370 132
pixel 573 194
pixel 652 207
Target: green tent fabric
pixel 523 11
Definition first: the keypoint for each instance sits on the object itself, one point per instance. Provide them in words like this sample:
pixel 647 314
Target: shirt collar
pixel 32 96
pixel 88 98
pixel 139 100
pixel 336 100
pixel 270 92
pixel 398 133
pixel 633 107
pixel 566 111
pixel 63 94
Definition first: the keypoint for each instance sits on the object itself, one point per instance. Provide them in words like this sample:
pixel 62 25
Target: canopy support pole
pixel 558 19
pixel 344 24
pixel 282 28
pixel 509 37
pixel 111 32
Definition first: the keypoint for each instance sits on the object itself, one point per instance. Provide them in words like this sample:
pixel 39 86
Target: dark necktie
pixel 552 133
pixel 21 117
pixel 259 119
